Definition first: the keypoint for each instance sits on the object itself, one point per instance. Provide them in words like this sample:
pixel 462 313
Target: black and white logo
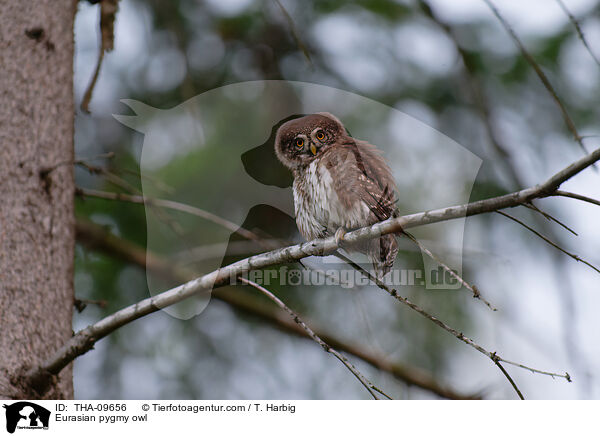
pixel 26 415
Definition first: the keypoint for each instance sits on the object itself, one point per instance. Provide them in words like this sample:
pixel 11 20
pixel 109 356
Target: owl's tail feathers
pixel 383 252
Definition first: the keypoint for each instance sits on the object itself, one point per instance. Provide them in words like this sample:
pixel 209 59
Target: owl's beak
pixel 313 149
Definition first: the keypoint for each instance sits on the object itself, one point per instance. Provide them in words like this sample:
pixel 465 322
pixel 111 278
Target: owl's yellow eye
pixel 320 135
pixel 299 142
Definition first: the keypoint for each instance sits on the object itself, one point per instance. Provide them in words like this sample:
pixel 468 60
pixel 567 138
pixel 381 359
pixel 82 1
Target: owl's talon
pixel 339 236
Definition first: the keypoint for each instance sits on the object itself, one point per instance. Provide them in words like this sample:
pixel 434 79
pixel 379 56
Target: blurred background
pixel 452 68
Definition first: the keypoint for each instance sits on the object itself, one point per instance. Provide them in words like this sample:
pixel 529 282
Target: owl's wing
pixel 381 202
pixel 359 172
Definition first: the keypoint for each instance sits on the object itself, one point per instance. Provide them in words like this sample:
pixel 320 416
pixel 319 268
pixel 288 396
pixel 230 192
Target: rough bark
pixel 36 190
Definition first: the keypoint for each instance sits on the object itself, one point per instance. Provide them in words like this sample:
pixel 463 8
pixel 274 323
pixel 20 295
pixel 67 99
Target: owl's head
pixel 298 142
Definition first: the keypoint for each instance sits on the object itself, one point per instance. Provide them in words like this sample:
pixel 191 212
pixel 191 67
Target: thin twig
pixel 107 155
pixel 326 274
pixel 120 182
pixel 295 34
pixel 79 161
pixel 212 251
pixel 566 376
pixel 173 205
pixel 109 176
pixel 579 31
pixel 529 58
pixel 577 197
pixel 478 93
pixel 512 382
pixel 361 378
pixel 459 335
pixel 87 96
pixel 422 312
pixel 124 184
pixel 549 217
pixel 81 303
pixel 555 245
pixel 108 12
pixel 474 290
pixel 159 184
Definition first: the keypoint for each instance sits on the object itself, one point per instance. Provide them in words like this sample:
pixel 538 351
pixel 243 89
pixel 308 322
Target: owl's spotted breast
pixel 319 209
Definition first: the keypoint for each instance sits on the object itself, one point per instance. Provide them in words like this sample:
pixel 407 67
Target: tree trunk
pixel 36 189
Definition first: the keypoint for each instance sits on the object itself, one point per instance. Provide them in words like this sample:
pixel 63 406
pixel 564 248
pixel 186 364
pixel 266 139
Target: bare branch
pixel 482 206
pixel 108 12
pixel 326 274
pixel 80 161
pixel 295 34
pixel 473 289
pixel 476 85
pixel 361 378
pixel 549 217
pixel 173 205
pixel 84 340
pixel 566 376
pixel 81 303
pixel 108 155
pixel 577 197
pixel 554 244
pixel 529 58
pixel 578 30
pixel 96 237
pixel 87 96
pixel 109 176
pixel 459 335
pixel 478 93
pixel 507 375
pixel 212 251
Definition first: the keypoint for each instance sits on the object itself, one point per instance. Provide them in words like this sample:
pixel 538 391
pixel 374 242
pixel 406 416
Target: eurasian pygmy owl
pixel 340 183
